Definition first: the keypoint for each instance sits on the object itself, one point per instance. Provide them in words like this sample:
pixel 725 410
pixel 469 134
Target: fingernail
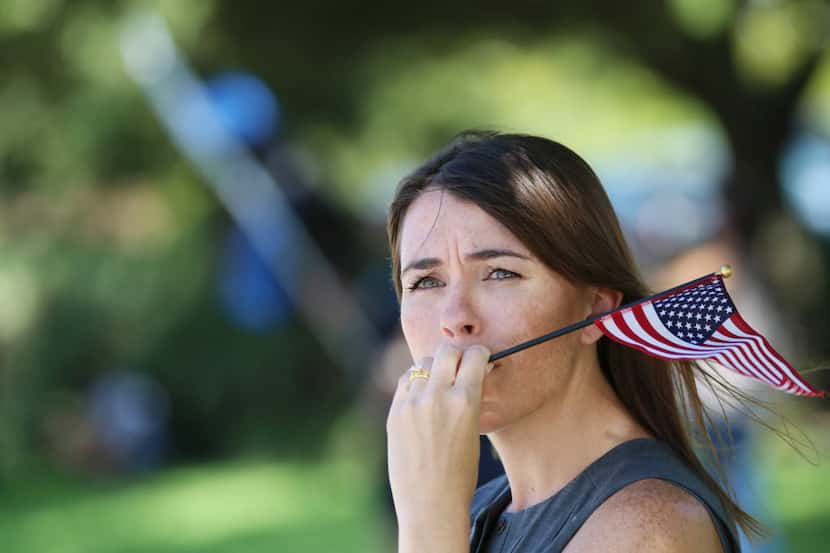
pixel 490 367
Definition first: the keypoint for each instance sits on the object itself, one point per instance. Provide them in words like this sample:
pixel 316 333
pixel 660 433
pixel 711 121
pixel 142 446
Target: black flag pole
pixel 725 271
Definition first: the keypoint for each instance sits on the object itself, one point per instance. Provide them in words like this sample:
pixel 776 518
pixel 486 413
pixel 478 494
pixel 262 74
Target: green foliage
pixel 573 88
pixel 108 251
pixel 108 240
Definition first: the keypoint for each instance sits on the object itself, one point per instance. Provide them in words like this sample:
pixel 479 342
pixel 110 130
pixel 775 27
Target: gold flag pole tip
pixel 726 271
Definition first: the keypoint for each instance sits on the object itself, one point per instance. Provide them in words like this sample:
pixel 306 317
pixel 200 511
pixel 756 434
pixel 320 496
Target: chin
pixel 489 421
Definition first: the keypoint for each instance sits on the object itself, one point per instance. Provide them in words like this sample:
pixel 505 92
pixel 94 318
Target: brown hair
pixel 553 202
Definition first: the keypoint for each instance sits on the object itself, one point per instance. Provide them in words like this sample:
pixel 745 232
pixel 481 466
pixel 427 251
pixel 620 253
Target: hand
pixel 433 447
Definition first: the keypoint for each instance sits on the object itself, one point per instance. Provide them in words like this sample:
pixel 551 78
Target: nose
pixel 459 317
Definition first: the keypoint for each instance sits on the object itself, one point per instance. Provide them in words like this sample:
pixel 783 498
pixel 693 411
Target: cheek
pixel 530 318
pixel 418 326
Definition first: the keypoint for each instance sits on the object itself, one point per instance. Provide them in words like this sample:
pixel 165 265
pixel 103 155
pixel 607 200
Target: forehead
pixel 437 220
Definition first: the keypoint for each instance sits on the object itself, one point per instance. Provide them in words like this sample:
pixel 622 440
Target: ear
pixel 602 300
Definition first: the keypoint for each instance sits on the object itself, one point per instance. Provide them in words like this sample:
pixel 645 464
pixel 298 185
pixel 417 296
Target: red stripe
pixel 656 348
pixel 751 358
pixel 706 349
pixel 764 363
pixel 619 339
pixel 744 326
pixel 762 355
pixel 750 362
pixel 734 361
pixel 642 318
pixel 732 366
pixel 761 344
pixel 658 343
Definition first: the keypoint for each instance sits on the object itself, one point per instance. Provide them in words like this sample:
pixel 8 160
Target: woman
pixel 498 239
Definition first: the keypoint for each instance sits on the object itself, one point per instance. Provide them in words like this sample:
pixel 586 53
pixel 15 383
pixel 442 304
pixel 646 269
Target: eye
pixel 501 274
pixel 424 283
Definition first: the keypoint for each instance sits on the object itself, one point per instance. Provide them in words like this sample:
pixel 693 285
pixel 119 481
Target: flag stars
pixel 693 314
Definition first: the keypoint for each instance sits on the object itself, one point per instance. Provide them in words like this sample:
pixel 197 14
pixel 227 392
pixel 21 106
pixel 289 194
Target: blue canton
pixel 694 314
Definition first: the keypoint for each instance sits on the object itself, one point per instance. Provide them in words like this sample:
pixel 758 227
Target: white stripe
pixel 654 319
pixel 753 342
pixel 734 355
pixel 793 377
pixel 731 365
pixel 708 349
pixel 611 326
pixel 726 364
pixel 742 345
pixel 734 360
pixel 644 336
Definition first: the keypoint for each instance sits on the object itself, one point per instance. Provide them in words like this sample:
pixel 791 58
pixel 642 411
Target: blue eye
pixel 424 283
pixel 501 274
pixel 428 282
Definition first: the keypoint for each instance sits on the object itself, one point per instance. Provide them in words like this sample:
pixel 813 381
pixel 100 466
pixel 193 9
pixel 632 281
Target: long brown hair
pixel 553 202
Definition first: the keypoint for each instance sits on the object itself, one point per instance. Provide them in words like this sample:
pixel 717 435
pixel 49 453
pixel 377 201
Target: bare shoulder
pixel 648 516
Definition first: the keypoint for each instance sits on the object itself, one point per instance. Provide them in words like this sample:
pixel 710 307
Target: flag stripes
pixel 701 322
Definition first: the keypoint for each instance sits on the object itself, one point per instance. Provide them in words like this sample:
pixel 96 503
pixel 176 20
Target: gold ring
pixel 418 372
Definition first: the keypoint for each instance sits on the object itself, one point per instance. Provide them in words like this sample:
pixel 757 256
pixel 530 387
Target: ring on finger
pixel 417 372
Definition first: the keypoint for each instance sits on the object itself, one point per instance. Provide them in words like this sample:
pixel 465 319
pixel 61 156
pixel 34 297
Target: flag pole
pixel 725 272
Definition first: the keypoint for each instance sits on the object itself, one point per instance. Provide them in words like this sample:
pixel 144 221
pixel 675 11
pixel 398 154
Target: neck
pixel 549 447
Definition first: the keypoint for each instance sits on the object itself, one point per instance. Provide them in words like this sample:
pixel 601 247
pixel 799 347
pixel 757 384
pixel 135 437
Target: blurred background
pixel 198 335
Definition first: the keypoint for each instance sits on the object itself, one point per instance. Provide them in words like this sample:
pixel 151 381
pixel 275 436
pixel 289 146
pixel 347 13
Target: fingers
pixel 444 366
pixel 473 368
pixel 407 384
pixel 417 384
pixel 449 368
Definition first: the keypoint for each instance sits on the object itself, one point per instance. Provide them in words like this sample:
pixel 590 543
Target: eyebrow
pixel 432 262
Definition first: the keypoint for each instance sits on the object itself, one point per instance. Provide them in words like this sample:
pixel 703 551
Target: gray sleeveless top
pixel 549 526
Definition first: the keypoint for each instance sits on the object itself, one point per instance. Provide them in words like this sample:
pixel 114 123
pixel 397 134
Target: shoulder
pixel 485 495
pixel 648 516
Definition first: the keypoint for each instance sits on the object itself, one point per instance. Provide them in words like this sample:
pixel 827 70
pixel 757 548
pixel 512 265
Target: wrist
pixel 441 534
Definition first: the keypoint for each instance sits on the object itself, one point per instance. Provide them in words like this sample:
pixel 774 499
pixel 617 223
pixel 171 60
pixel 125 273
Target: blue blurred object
pixel 805 175
pixel 250 293
pixel 246 106
pixel 129 411
pixel 670 201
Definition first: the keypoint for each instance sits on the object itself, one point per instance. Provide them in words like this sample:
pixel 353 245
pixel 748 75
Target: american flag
pixel 699 321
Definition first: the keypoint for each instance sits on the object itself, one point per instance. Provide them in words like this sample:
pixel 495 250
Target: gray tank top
pixel 549 526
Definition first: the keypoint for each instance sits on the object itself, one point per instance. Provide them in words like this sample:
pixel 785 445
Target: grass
pixel 242 507
pixel 799 489
pixel 254 506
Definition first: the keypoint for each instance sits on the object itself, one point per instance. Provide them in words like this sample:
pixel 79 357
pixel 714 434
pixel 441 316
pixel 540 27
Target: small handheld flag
pixel 696 320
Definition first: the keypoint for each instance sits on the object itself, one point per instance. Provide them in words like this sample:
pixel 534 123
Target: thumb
pixel 473 368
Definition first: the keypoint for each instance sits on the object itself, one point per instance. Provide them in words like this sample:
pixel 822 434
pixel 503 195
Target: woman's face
pixel 467 280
